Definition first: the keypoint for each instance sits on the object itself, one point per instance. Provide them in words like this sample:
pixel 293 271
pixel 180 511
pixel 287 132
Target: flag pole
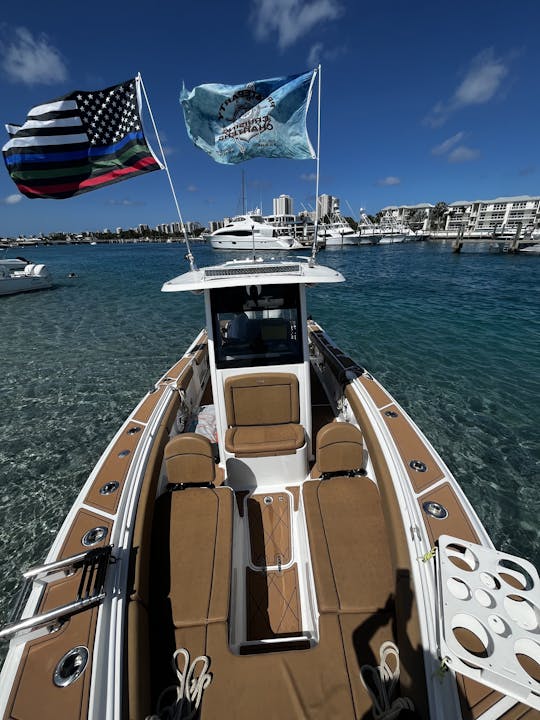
pixel 189 255
pixel 316 229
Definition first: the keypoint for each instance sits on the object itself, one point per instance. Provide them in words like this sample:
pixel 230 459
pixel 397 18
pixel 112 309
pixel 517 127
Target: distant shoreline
pixel 98 241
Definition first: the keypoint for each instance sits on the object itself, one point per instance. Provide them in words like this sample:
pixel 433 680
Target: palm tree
pixel 438 214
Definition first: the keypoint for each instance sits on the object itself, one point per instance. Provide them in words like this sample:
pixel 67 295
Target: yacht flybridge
pixel 270 535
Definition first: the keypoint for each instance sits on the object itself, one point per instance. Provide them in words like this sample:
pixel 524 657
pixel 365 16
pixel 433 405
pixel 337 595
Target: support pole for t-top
pixel 189 255
pixel 316 228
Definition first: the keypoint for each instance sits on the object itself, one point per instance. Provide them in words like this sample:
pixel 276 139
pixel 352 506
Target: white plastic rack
pixel 489 617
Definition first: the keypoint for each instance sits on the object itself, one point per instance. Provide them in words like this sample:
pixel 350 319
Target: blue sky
pixel 421 101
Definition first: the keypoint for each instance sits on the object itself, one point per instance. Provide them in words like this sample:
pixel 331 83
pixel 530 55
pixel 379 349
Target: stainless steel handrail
pixel 93 565
pixel 51 567
pixel 35 621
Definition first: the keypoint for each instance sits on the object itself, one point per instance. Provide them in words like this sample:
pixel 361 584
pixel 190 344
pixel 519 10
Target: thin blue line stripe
pixel 90 153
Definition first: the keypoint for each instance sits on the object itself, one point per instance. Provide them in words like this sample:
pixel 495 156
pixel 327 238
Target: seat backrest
pixel 340 448
pixel 262 399
pixel 189 459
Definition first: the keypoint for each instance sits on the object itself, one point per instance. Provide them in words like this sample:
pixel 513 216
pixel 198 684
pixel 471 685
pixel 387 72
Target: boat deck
pixel 278 665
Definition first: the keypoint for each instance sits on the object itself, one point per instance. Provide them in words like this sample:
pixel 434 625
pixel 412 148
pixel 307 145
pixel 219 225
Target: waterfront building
pixel 283 205
pixel 474 216
pixel 497 214
pixel 417 216
pixel 328 205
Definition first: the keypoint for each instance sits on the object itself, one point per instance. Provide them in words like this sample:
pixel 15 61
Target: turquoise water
pixel 455 338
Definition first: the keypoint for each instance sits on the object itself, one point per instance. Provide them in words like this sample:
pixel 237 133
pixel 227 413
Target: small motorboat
pixel 19 275
pixel 270 535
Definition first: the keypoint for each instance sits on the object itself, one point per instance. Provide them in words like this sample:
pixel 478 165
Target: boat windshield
pixel 256 325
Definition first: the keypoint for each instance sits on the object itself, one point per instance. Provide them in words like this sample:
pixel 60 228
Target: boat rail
pixel 93 565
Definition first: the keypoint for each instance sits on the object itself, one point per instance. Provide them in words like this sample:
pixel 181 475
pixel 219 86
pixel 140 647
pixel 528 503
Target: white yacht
pixel 387 232
pixel 337 233
pixel 18 275
pixel 251 232
pixel 270 535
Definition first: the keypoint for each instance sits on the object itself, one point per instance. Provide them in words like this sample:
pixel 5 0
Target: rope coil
pixel 188 692
pixel 381 682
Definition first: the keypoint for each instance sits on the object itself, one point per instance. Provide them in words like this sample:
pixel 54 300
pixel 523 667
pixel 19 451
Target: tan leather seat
pixel 200 546
pixel 349 545
pixel 263 415
pixel 340 449
pixel 189 460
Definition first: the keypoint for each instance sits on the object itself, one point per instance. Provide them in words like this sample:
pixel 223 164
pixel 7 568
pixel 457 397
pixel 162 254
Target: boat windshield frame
pixel 257 326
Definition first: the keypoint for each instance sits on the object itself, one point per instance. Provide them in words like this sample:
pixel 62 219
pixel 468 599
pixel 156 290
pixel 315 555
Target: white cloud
pixel 481 84
pixel 192 188
pixel 448 144
pixel 463 154
pixel 125 202
pixel 390 180
pixel 12 199
pixel 308 177
pixel 315 54
pixel 319 53
pixel 291 19
pixel 32 61
pixel 482 81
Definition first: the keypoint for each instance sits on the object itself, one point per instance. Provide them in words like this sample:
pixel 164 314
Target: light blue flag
pixel 264 118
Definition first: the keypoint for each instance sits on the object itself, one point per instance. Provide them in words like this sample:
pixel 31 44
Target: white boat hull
pixel 18 276
pixel 531 250
pixel 232 242
pixel 340 241
pixel 391 239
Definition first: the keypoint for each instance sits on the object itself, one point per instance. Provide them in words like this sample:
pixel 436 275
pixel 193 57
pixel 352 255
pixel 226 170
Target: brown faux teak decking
pixel 270 529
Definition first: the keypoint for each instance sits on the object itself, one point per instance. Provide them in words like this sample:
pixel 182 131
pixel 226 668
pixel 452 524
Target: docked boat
pixel 270 535
pixel 251 232
pixel 387 232
pixel 18 275
pixel 337 233
pixel 531 249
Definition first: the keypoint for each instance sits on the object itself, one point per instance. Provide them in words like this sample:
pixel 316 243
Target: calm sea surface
pixel 455 338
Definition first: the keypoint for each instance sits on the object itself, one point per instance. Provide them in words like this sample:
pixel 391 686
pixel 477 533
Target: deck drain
pixel 418 465
pixel 71 666
pixel 435 510
pixel 109 488
pixel 268 500
pixel 93 536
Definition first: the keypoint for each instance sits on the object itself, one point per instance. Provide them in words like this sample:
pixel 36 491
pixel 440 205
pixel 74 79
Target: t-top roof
pixel 253 272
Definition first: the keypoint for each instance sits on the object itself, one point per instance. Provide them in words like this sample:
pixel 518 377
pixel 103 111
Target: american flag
pixel 80 142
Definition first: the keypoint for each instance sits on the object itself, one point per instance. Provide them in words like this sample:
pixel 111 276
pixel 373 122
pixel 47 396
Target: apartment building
pixel 478 216
pixel 499 213
pixel 328 205
pixel 418 215
pixel 283 205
